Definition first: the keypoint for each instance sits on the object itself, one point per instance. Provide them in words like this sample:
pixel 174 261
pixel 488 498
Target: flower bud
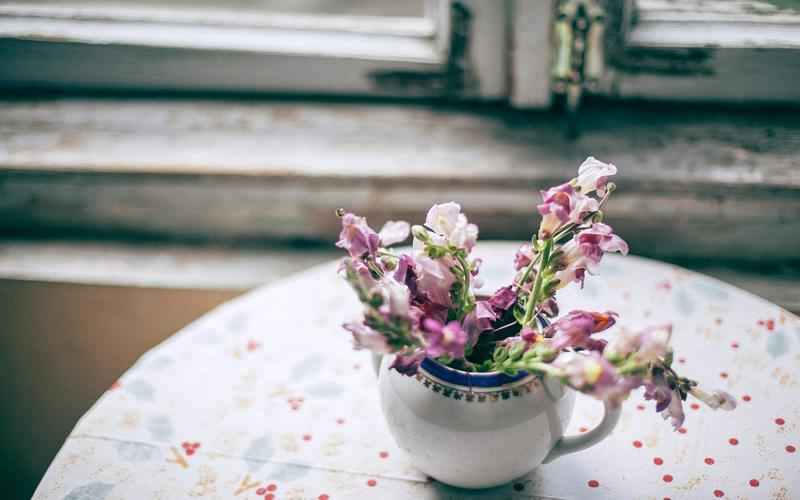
pixel 389 263
pixel 420 233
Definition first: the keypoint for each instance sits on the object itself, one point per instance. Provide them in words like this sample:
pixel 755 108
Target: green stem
pixel 465 291
pixel 533 298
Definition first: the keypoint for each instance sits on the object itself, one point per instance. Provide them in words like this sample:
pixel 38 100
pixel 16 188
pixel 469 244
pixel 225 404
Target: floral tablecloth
pixel 264 398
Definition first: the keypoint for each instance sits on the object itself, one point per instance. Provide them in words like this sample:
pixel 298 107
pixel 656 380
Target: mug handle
pixel 571 444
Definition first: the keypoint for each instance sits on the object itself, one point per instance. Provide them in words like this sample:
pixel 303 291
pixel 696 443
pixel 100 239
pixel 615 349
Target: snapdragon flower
pixel 365 337
pixel 648 346
pixel 407 361
pixel 359 239
pixel 435 279
pixel 561 205
pixel 585 251
pixel 524 256
pixel 575 329
pixel 716 399
pixel 593 176
pixel 450 226
pixel 444 339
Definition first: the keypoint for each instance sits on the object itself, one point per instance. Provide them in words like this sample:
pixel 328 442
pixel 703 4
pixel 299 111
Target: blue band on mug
pixel 468 379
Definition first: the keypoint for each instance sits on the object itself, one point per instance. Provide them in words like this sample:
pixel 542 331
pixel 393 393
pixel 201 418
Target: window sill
pixel 694 183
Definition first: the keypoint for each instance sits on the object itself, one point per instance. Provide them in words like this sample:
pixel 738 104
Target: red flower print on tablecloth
pixel 769 324
pixel 252 345
pixel 190 448
pixel 295 402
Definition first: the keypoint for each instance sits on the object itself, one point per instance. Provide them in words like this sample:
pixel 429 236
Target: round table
pixel 265 398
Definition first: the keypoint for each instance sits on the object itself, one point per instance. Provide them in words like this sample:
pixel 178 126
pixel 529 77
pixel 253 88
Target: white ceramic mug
pixel 477 430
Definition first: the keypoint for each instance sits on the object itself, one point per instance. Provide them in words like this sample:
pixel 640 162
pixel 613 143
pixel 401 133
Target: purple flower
pixel 529 335
pixel 358 275
pixel 478 321
pixel 660 392
pixel 451 226
pixel 593 175
pixel 365 337
pixel 550 307
pixel 405 274
pixel 357 237
pixel 562 204
pixel 441 339
pixel 407 362
pixel 502 299
pixel 393 232
pixel 585 251
pixel 524 256
pixel 674 411
pixel 435 279
pixel 575 329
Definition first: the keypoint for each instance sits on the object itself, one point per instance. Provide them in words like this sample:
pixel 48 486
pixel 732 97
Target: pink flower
pixel 408 361
pixel 441 339
pixel 645 347
pixel 524 256
pixel 659 391
pixel 358 275
pixel 594 375
pixel 549 307
pixel 478 321
pixel 587 373
pixel 435 279
pixel 365 337
pixel 451 226
pixel 562 204
pixel 575 329
pixel 357 237
pixel 584 252
pixel 593 175
pixel 502 299
pixel 404 273
pixel 674 411
pixel 393 232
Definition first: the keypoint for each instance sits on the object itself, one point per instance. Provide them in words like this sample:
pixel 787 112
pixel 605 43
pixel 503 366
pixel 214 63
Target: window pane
pixel 392 8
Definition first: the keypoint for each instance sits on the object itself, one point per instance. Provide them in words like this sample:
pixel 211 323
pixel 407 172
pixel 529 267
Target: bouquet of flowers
pixel 423 304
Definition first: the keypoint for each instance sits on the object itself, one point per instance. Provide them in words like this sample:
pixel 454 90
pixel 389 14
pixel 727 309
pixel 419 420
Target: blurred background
pixel 159 157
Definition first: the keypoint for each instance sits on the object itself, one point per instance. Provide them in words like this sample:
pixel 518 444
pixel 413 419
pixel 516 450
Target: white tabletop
pixel 265 398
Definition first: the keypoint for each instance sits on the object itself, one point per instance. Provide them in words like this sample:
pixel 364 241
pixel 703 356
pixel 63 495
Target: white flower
pixel 718 399
pixel 397 297
pixel 593 175
pixel 451 226
pixel 393 232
